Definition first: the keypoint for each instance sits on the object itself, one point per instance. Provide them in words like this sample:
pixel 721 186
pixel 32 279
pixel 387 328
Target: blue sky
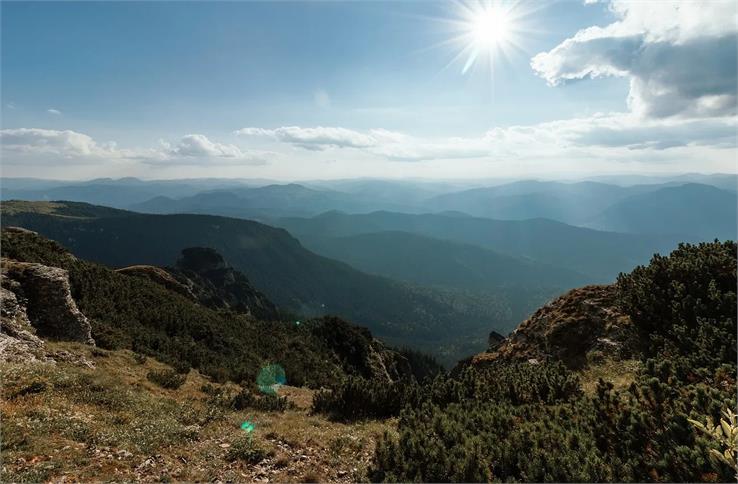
pixel 332 89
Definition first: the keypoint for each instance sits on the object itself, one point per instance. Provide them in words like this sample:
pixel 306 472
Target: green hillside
pixel 135 313
pixel 576 249
pixel 428 261
pixel 294 278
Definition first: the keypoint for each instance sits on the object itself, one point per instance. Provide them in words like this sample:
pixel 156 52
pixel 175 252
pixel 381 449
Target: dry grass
pixel 621 373
pixel 111 423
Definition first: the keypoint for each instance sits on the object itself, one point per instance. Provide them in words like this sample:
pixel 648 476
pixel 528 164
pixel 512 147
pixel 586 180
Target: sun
pixel 488 31
pixel 490 27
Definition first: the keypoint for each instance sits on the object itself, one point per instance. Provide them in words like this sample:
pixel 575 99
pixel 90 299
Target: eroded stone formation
pixel 18 340
pixel 568 329
pixel 36 300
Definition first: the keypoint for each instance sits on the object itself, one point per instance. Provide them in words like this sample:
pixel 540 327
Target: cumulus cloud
pixel 319 138
pixel 198 148
pixel 387 144
pixel 618 130
pixel 200 145
pixel 680 57
pixel 621 133
pixel 53 111
pixel 67 143
pixel 40 145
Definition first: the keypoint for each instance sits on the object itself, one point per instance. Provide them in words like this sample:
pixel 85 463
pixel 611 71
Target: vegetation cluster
pixel 128 312
pixel 533 422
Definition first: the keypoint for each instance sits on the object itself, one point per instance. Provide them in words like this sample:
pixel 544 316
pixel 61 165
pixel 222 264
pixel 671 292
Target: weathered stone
pixel 50 307
pixel 18 341
pixel 567 329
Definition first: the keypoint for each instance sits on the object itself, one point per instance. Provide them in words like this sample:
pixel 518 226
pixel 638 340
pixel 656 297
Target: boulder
pixel 49 305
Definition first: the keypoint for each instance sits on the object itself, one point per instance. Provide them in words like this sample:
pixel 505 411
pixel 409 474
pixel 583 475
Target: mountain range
pixel 545 241
pixel 673 203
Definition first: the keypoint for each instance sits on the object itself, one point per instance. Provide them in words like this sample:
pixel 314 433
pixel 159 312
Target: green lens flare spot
pixel 248 426
pixel 270 378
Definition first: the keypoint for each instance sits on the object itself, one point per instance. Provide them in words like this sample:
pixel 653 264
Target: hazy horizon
pixel 563 178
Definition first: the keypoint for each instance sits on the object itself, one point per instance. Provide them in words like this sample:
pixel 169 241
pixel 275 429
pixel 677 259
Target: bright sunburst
pixel 487 31
pixel 490 27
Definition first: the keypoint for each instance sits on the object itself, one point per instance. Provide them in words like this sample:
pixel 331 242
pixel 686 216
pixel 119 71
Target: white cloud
pixel 47 145
pixel 319 138
pixel 680 57
pixel 615 135
pixel 200 145
pixel 618 132
pixel 53 111
pixel 388 144
pixel 198 149
pixel 67 143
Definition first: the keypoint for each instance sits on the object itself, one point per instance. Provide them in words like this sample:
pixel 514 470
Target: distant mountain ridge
pixel 594 203
pixel 430 261
pixel 267 201
pixel 692 209
pixel 599 255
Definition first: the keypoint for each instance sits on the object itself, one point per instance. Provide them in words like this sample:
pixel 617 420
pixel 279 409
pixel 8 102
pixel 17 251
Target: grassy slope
pixel 110 422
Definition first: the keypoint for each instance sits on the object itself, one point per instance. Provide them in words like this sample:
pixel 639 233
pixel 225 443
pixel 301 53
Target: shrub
pixel 267 402
pixel 246 450
pixel 359 398
pixel 169 379
pixel 532 423
pixel 35 387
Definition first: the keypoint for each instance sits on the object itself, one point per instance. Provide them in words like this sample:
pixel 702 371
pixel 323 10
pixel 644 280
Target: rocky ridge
pixel 202 275
pixel 582 324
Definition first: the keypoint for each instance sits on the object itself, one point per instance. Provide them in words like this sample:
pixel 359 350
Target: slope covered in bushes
pixel 532 422
pixel 131 312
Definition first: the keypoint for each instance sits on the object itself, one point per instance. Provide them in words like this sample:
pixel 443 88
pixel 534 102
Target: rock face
pixel 583 323
pixel 159 276
pixel 47 299
pixel 359 352
pixel 18 340
pixel 204 273
pixel 201 274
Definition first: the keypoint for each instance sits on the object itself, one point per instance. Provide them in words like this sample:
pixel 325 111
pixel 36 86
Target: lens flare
pixel 270 378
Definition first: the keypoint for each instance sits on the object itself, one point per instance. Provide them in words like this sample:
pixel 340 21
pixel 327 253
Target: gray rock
pixel 49 305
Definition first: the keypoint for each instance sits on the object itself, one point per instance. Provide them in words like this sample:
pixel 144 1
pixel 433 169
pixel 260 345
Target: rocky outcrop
pixel 47 299
pixel 159 276
pixel 575 327
pixel 18 340
pixel 359 352
pixel 204 273
pixel 494 340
